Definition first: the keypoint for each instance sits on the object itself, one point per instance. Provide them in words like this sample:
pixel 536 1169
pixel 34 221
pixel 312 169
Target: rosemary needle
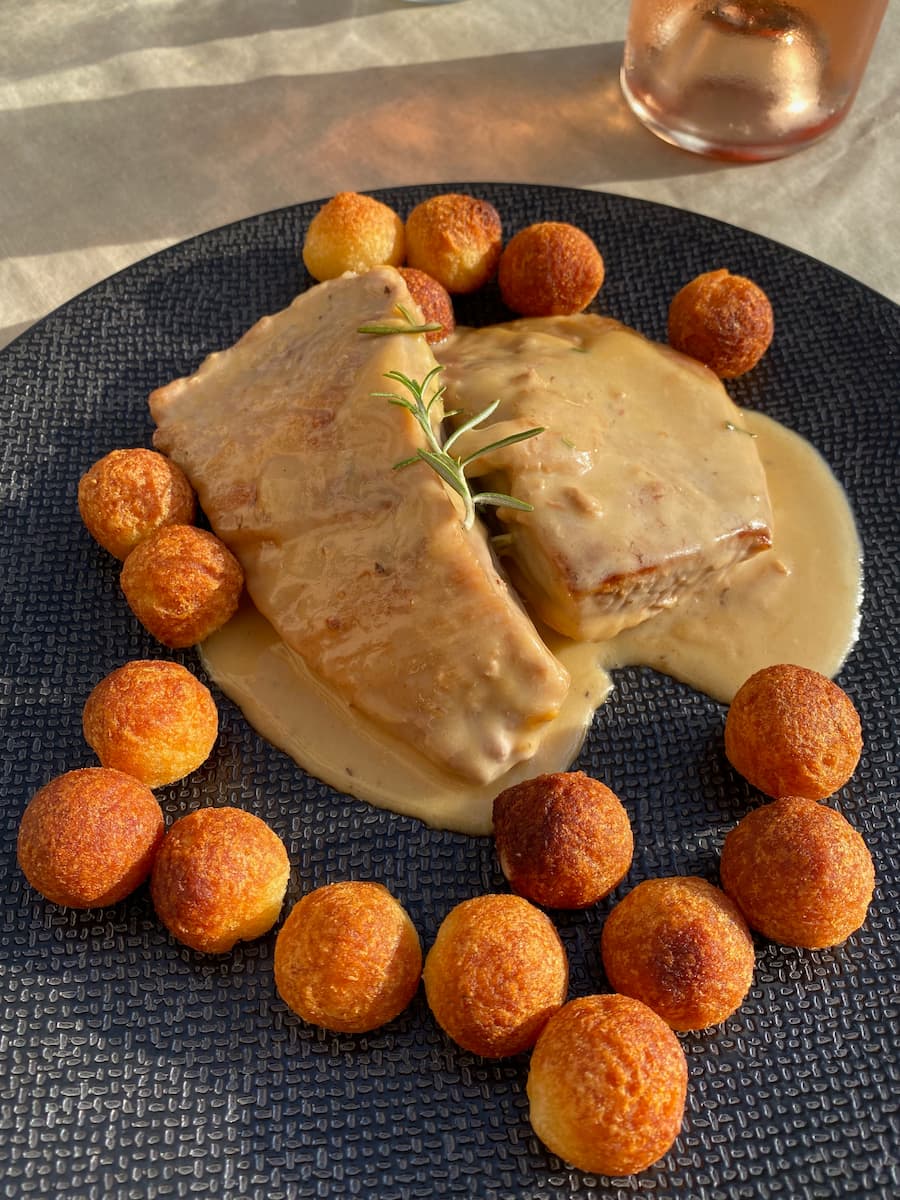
pixel 449 467
pixel 382 329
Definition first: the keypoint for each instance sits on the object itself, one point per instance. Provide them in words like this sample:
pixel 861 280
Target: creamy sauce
pixel 366 571
pixel 798 602
pixel 284 701
pixel 641 482
pixel 387 654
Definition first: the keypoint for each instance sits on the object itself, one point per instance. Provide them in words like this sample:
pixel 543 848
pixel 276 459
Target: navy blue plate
pixel 132 1066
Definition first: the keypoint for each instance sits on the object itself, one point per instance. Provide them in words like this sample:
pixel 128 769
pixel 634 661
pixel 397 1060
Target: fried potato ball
pixel 550 269
pixel 89 838
pixel 129 493
pixel 799 872
pixel 434 301
pixel 348 957
pixel 496 972
pixel 683 948
pixel 455 239
pixel 182 584
pixel 792 732
pixel 219 878
pixel 563 840
pixel 152 720
pixel 723 320
pixel 607 1085
pixel 352 232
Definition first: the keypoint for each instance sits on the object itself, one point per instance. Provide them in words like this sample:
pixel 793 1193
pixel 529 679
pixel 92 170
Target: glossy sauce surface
pixel 798 602
pixel 641 483
pixel 366 571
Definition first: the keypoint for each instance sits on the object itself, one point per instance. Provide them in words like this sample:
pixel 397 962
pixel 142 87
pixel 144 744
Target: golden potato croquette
pixel 152 720
pixel 683 948
pixel 563 840
pixel 550 269
pixel 799 872
pixel 496 972
pixel 348 958
pixel 607 1085
pixel 456 240
pixel 129 493
pixel 434 301
pixel 89 838
pixel 219 878
pixel 182 584
pixel 723 320
pixel 352 232
pixel 792 732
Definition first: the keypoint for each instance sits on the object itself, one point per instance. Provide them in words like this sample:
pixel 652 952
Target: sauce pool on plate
pixel 798 602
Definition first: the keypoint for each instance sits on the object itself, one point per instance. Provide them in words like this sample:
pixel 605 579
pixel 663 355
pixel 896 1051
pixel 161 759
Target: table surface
pixel 128 125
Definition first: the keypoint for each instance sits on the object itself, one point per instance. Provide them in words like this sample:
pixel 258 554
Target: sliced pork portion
pixel 363 570
pixel 643 484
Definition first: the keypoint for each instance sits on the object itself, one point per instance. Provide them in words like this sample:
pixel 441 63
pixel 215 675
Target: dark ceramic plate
pixel 132 1066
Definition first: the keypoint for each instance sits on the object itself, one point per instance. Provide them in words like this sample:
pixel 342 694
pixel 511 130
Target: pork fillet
pixel 643 484
pixel 363 570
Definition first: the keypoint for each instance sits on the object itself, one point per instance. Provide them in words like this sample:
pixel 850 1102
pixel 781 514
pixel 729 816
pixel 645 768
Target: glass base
pixel 697 143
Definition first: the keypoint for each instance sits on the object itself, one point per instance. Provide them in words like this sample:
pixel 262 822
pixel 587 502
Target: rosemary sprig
pixel 448 466
pixel 382 329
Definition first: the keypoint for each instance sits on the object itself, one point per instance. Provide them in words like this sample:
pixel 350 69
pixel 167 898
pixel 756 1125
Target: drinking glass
pixel 748 80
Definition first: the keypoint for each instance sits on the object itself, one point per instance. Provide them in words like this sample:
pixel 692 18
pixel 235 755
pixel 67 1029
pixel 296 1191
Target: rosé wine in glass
pixel 749 79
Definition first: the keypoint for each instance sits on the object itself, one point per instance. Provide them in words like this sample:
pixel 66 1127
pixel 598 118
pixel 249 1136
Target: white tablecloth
pixel 127 125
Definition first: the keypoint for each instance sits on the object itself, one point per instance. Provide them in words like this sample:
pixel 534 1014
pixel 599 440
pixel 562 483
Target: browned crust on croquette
pixel 348 957
pixel 607 1085
pixel 799 872
pixel 550 269
pixel 682 947
pixel 352 232
pixel 496 972
pixel 793 732
pixel 219 878
pixel 723 320
pixel 563 840
pixel 127 494
pixel 89 837
pixel 456 239
pixel 433 300
pixel 153 720
pixel 182 584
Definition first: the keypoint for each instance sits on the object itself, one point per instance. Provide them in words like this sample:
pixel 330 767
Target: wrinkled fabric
pixel 127 125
